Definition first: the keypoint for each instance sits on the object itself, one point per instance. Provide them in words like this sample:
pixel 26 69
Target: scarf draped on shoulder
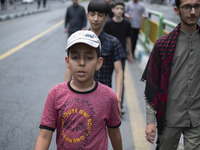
pixel 157 73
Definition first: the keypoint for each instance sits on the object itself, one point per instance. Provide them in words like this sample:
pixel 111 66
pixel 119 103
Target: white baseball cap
pixel 84 36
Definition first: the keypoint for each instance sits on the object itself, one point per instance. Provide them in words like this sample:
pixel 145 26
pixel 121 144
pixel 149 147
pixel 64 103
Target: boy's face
pixel 83 61
pixel 118 10
pixel 96 20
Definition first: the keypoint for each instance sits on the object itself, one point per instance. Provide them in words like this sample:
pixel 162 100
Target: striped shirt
pixel 135 10
pixel 111 51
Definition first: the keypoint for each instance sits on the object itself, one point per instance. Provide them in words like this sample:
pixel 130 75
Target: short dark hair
pixel 177 3
pixel 101 6
pixel 118 3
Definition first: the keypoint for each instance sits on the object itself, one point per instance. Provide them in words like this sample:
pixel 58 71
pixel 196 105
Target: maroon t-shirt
pixel 80 118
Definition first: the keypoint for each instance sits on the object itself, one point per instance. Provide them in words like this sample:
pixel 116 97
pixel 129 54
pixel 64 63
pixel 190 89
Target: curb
pixel 22 14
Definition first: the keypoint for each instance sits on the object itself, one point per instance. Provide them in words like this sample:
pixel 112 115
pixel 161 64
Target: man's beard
pixel 187 23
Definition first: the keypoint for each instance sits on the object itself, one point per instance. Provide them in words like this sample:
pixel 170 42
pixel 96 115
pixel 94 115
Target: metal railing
pixel 152 30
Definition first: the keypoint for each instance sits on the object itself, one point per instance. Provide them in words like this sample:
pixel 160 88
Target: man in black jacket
pixel 75 18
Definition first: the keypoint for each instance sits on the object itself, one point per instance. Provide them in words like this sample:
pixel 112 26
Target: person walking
pixel 44 3
pixel 39 3
pixel 120 28
pixel 75 18
pixel 112 51
pixel 172 78
pixel 134 12
pixel 84 112
pixel 3 4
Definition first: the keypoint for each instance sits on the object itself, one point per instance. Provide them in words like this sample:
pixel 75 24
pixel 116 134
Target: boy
pixel 81 109
pixel 112 51
pixel 118 27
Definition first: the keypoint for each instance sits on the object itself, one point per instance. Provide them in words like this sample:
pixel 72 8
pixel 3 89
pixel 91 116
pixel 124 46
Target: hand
pixel 144 16
pixel 130 59
pixel 127 16
pixel 150 132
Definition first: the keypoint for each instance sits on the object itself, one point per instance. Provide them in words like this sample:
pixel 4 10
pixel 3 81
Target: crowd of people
pixel 85 111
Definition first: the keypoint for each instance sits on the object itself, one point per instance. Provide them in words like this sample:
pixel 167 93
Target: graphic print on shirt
pixel 77 117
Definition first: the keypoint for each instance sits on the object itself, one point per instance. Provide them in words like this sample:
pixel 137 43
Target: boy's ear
pixel 67 61
pixel 106 18
pixel 113 9
pixel 99 63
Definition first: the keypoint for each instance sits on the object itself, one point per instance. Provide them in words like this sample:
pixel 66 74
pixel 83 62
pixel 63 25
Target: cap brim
pixel 84 41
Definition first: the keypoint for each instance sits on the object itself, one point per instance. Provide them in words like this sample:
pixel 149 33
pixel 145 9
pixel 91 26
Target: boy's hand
pixel 130 59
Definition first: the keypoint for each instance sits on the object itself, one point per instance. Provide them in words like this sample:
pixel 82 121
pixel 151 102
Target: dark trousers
pixel 169 139
pixel 123 61
pixel 44 3
pixel 134 37
pixel 3 5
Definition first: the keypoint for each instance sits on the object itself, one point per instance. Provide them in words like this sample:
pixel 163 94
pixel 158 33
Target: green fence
pixel 152 30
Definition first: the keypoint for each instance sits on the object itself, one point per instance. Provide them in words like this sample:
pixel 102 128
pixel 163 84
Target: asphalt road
pixel 31 62
pixel 28 74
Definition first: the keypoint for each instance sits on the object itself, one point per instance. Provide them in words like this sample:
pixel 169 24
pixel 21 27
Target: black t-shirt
pixel 120 30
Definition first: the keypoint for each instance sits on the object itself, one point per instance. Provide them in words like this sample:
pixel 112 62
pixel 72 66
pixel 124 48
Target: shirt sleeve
pixel 150 114
pixel 118 50
pixel 106 27
pixel 126 9
pixel 145 11
pixel 114 120
pixel 84 18
pixel 66 18
pixel 128 34
pixel 49 117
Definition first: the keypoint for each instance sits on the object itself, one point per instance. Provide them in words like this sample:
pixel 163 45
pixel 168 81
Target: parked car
pixel 27 1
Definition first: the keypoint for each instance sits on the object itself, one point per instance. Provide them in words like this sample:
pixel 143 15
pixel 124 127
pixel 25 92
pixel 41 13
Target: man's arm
pixel 151 127
pixel 145 14
pixel 115 138
pixel 66 21
pixel 126 12
pixel 118 80
pixel 43 140
pixel 84 20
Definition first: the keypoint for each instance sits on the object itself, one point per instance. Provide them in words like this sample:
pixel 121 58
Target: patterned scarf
pixel 157 73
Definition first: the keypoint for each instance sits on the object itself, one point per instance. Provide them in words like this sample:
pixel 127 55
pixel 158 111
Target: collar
pixel 190 34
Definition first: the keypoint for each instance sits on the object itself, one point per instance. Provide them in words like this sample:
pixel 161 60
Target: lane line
pixel 19 47
pixel 136 118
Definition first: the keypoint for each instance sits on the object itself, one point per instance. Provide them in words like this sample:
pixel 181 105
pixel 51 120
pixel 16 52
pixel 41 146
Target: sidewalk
pixel 141 54
pixel 18 9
